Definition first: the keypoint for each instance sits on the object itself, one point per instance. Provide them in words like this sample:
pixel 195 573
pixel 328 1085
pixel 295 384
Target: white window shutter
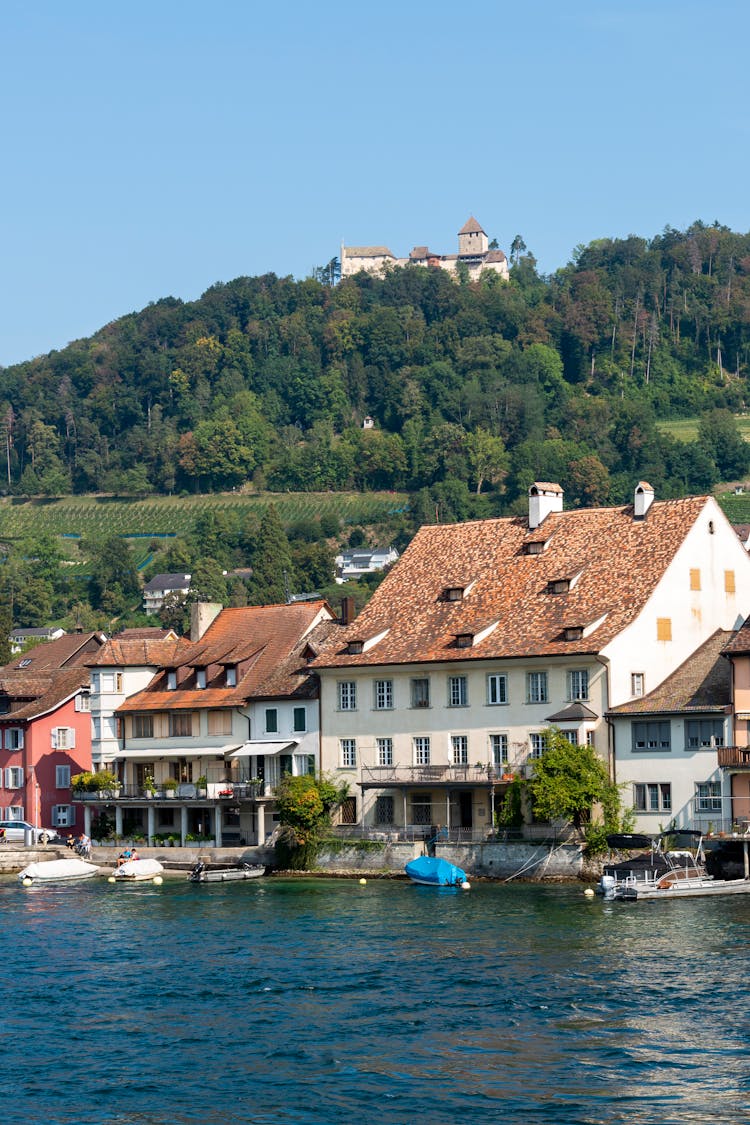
pixel 7 777
pixel 78 702
pixel 7 738
pixel 53 738
pixel 20 739
pixel 72 737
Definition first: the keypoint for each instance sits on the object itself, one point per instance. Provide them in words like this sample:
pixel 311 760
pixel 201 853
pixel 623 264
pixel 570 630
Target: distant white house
pixel 355 563
pixel 160 586
pixel 19 638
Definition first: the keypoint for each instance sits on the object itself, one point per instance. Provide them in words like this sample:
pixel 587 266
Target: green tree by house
pixel 305 806
pixel 273 576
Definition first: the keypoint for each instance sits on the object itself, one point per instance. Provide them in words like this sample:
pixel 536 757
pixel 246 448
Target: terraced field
pixel 80 517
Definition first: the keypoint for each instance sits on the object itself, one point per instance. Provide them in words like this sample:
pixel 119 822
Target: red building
pixel 45 730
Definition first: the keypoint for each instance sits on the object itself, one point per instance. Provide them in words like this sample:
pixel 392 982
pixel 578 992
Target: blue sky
pixel 154 147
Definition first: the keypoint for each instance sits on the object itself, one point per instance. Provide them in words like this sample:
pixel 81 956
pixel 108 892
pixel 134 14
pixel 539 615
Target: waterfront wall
pixel 490 860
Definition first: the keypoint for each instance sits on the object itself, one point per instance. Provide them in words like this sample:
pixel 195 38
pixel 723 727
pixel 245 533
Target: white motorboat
pixel 57 871
pixel 139 871
pixel 225 873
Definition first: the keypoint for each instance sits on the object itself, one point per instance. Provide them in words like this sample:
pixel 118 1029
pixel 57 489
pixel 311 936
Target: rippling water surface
pixel 321 1001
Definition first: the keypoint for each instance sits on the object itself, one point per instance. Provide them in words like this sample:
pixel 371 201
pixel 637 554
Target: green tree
pixel 272 576
pixel 207 582
pixel 305 806
pixel 569 781
pixel 114 582
pixel 720 437
pixel 487 456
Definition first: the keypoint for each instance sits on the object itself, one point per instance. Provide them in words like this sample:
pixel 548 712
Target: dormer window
pixel 171 681
pixel 354 648
pixel 454 593
pixel 464 640
pixel 24 663
pixel 573 633
pixel 534 547
pixel 558 586
pixel 231 679
pixel 200 678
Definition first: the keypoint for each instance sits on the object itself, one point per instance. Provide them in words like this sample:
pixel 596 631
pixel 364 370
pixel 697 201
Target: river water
pixel 322 1001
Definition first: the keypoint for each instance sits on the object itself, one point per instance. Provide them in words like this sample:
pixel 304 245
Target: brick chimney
pixel 543 499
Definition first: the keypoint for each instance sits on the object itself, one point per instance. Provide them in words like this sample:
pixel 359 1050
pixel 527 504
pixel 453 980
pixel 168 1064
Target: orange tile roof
pixel 619 561
pixel 131 652
pixel 72 648
pixel 266 644
pixel 38 694
pixel 701 683
pixel 471 226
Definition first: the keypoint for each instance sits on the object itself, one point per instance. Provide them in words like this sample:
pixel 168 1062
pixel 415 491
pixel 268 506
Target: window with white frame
pixel 171 681
pixel 348 752
pixel 538 744
pixel 499 749
pixel 347 695
pixel 63 738
pixel 384 748
pixel 536 687
pixel 702 734
pixel 652 797
pixel 231 677
pixel 383 695
pixel 708 796
pixel 651 736
pixel 143 726
pixel 14 812
pixel 578 684
pixel 13 738
pixel 637 684
pixel 13 777
pixel 421 747
pixel 62 777
pixel 96 681
pixel 458 691
pixel 83 701
pixel 200 678
pixel 570 736
pixel 63 816
pixel 497 689
pixel 460 749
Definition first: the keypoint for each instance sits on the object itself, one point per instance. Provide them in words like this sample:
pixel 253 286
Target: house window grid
pixel 348 752
pixel 143 726
pixel 578 684
pixel 708 796
pixel 537 743
pixel 62 777
pixel 14 777
pixel 652 796
pixel 637 684
pixel 497 689
pixel 499 750
pixel 704 734
pixel 460 749
pixel 651 737
pixel 537 687
pixel 383 695
pixel 347 693
pixel 271 719
pixel 458 691
pixel 384 747
pixel 420 692
pixel 421 750
pixel 180 723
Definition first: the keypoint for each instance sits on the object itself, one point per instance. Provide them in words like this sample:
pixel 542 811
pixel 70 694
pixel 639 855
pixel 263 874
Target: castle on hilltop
pixel 473 252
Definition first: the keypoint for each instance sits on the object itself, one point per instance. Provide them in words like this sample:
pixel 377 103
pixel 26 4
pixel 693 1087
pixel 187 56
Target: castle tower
pixel 472 241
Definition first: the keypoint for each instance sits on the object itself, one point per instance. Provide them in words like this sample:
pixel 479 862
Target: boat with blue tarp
pixel 435 872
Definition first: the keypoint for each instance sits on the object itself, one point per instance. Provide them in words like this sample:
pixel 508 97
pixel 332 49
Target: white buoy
pixel 26 882
pixel 111 879
pixel 158 880
pixel 588 892
pixel 363 882
pixel 466 886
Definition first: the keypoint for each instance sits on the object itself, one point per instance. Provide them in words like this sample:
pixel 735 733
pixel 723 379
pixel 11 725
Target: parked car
pixel 15 830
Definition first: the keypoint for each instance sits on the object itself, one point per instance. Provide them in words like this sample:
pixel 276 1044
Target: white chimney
pixel 643 499
pixel 202 614
pixel 543 499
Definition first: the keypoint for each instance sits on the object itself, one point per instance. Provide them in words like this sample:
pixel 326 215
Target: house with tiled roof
pixel 734 756
pixel 123 666
pixel 485 634
pixel 45 729
pixel 162 586
pixel 223 718
pixel 666 744
pixel 474 255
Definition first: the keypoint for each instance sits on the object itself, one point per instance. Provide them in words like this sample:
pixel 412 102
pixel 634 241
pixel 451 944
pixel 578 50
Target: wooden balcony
pixel 734 757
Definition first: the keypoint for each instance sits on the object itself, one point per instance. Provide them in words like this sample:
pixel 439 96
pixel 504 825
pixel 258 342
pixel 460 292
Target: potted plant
pixel 170 787
pixel 149 786
pixel 201 786
pixel 107 783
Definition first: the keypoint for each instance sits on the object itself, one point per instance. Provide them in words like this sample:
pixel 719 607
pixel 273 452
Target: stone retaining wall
pixel 491 860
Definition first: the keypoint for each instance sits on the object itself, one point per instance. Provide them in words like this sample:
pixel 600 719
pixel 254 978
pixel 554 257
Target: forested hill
pixel 473 388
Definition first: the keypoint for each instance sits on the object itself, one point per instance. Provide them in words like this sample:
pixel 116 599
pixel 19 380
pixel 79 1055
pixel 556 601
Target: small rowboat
pixel 138 871
pixel 199 873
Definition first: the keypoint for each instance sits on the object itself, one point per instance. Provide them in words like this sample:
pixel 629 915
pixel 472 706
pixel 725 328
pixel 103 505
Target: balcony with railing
pixel 381 777
pixel 734 757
